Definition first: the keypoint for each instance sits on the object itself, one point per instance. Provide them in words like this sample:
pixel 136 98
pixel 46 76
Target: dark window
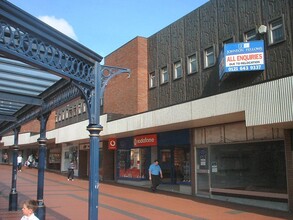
pixel 276 31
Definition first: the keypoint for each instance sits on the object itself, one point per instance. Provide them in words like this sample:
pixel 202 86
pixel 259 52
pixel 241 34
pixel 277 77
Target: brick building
pixel 224 135
pixel 218 133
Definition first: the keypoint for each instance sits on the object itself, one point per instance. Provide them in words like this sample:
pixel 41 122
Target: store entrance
pixel 202 171
pixel 83 163
pixel 174 163
pixel 166 165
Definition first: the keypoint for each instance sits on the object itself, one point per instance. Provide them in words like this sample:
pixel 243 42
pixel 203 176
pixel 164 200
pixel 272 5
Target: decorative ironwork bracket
pixel 109 72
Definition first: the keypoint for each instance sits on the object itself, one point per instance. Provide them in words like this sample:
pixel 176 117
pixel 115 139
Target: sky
pixel 105 25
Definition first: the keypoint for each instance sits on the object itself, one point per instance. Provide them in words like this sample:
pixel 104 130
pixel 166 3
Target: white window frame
pixel 79 108
pixel 250 35
pixel 178 71
pixel 152 78
pixel 70 113
pixel 74 111
pixel 66 114
pixel 63 115
pixel 84 107
pixel 192 64
pixel 208 53
pixel 273 28
pixel 164 75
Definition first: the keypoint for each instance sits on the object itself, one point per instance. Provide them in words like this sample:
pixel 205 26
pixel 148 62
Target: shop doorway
pixel 202 171
pixel 83 163
pixel 174 163
pixel 166 165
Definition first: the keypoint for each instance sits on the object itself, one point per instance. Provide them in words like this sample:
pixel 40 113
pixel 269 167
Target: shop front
pixel 172 149
pixel 54 158
pixel 83 160
pixel 69 154
pixel 134 156
pixel 252 171
pixel 174 156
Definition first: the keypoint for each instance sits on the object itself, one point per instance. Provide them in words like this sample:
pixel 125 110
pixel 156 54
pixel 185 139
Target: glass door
pixel 165 162
pixel 202 171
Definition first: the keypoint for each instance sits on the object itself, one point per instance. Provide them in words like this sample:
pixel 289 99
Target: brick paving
pixel 69 200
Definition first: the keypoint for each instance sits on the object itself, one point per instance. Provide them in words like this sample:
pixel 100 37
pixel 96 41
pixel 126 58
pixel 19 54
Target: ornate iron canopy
pixel 41 69
pixel 37 67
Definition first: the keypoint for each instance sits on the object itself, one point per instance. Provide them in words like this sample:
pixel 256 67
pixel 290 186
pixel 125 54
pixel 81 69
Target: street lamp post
pixel 102 74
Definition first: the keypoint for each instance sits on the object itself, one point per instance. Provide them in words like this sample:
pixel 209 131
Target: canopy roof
pixel 40 68
pixel 20 85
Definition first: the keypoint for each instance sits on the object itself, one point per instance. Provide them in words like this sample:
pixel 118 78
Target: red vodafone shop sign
pixel 112 144
pixel 145 140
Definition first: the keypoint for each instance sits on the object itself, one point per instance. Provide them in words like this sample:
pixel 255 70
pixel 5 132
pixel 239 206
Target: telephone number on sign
pixel 244 68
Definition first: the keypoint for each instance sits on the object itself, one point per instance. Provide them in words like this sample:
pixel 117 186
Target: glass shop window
pixel 133 163
pixel 254 167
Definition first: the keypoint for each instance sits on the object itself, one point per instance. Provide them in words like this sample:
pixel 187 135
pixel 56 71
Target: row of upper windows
pixel 276 34
pixel 70 112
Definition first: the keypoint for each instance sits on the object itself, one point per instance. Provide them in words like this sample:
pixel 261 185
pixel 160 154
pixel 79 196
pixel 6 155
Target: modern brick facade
pixel 128 96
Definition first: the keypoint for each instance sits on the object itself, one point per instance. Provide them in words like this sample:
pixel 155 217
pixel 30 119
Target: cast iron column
pixel 94 128
pixel 13 196
pixel 102 74
pixel 94 171
pixel 41 211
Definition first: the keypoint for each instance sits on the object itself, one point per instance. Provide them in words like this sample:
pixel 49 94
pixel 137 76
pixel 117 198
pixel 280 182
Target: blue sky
pixel 105 25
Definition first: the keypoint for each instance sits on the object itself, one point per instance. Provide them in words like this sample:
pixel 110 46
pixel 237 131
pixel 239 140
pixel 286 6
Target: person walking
pixel 19 162
pixel 5 158
pixel 70 175
pixel 30 160
pixel 155 173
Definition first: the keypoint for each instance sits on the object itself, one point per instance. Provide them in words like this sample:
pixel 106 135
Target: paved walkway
pixel 66 200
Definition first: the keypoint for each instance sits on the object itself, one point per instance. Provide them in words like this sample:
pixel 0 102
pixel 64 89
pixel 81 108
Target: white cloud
pixel 60 24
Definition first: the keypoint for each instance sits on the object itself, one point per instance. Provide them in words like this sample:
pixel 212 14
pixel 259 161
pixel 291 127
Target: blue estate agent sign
pixel 239 57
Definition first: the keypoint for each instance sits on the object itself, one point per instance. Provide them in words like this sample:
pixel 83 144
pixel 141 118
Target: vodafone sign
pixel 145 140
pixel 112 144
